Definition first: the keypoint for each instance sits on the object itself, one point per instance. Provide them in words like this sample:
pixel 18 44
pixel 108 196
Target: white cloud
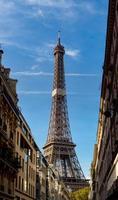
pixel 69 52
pixel 36 13
pixel 67 9
pixel 43 53
pixel 12 25
pixel 40 73
pixel 51 3
pixel 32 92
pixel 34 67
pixel 72 52
pixel 78 75
pixel 9 22
pixel 60 9
pixel 26 73
pixel 10 42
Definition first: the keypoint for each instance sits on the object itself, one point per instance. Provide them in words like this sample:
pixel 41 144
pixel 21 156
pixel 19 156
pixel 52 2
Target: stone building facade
pixel 105 162
pixel 9 161
pixel 17 146
pixel 26 150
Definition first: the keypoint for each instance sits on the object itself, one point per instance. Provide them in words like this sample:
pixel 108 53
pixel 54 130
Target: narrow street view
pixel 59 100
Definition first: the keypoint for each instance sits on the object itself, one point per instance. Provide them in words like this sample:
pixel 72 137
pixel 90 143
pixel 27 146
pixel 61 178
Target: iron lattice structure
pixel 59 149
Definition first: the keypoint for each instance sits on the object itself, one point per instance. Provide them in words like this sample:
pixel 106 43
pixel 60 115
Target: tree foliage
pixel 81 194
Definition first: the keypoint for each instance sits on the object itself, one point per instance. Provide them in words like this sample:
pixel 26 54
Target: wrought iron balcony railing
pixel 10 158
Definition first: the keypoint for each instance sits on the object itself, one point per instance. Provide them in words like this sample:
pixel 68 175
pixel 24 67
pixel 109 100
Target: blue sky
pixel 28 35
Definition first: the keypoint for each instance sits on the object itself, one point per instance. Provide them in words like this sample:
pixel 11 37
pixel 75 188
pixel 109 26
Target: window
pixel 19 182
pixel 22 184
pixel 17 138
pixel 25 185
pixel 33 190
pixel 23 165
pixel 34 158
pixel 9 187
pixel 29 171
pixel 16 182
pixel 29 188
pixel 24 130
pixel 30 154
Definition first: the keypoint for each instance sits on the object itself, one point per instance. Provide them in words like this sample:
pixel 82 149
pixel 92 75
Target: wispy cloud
pixel 78 75
pixel 36 13
pixel 7 10
pixel 6 7
pixel 10 22
pixel 32 92
pixel 40 73
pixel 90 8
pixel 72 52
pixel 68 10
pixel 36 66
pixel 43 53
pixel 26 73
pixel 51 3
pixel 84 6
pixel 10 42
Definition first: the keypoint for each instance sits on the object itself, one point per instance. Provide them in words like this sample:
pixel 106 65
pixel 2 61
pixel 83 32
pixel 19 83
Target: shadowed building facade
pixel 105 162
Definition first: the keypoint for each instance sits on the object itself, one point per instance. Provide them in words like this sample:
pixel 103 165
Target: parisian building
pixel 26 150
pixel 17 146
pixel 24 171
pixel 104 167
pixel 9 117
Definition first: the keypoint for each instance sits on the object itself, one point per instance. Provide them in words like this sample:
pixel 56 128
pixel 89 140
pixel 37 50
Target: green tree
pixel 81 194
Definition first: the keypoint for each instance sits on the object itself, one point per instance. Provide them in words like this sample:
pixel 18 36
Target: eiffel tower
pixel 59 149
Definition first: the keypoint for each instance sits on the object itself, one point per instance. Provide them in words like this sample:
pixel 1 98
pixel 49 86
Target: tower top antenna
pixel 59 36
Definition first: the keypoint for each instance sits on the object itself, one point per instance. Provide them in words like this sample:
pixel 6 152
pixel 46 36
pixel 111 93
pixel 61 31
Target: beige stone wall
pixel 26 178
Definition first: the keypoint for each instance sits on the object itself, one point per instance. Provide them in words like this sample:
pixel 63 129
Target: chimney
pixel 1 53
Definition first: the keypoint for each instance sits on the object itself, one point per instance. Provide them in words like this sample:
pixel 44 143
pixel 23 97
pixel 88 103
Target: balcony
pixel 3 133
pixel 8 158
